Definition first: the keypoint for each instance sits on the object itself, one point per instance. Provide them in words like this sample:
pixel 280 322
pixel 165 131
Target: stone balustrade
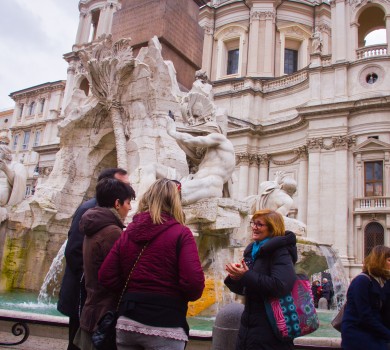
pixel 371 51
pixel 372 203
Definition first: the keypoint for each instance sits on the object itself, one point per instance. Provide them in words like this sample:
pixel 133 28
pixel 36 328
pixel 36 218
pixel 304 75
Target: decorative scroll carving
pixel 208 30
pixel 264 159
pixel 314 143
pixel 286 162
pixel 242 158
pixel 340 141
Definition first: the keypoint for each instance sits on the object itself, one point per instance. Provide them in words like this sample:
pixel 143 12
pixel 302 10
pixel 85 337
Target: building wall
pixel 34 140
pixel 320 123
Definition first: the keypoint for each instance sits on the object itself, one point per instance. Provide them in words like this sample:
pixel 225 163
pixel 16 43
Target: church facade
pixel 307 96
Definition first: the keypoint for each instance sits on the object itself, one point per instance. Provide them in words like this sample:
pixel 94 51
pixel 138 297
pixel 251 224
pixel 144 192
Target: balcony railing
pixel 372 203
pixel 371 51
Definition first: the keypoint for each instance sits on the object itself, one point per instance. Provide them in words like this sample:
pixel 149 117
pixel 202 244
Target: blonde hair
pixel 162 196
pixel 273 220
pixel 375 262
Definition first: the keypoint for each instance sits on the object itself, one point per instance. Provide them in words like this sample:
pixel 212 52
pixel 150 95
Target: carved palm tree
pixel 109 68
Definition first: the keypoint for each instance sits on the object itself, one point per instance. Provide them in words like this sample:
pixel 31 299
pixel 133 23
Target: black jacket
pixel 69 302
pixel 271 274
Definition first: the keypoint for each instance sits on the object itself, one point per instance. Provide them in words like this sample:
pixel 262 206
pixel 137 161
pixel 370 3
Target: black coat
pixel 270 275
pixel 72 289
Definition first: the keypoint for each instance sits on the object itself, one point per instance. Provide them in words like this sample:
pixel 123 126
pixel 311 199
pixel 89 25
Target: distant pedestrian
pixel 316 290
pixel 327 291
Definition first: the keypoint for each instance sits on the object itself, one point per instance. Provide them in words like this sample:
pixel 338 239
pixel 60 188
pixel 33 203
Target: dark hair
pixel 110 173
pixel 109 190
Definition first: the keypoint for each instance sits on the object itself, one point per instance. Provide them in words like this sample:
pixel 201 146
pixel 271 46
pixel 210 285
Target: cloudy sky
pixel 34 34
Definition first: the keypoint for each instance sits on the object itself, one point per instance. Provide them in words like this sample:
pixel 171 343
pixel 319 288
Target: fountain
pixel 123 122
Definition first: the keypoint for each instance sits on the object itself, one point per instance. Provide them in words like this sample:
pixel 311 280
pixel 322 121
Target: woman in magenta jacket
pixel 166 277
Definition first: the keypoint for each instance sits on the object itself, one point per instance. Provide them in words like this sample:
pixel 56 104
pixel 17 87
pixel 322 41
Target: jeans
pixel 127 340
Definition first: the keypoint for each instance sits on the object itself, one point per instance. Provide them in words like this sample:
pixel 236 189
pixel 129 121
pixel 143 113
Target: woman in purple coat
pixel 363 326
pixel 166 277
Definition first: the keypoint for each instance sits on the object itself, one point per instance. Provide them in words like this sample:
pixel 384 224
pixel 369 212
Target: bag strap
pixel 130 273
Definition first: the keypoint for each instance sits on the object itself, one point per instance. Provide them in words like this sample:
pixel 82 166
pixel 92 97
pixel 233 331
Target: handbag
pixel 336 322
pixel 293 315
pixel 103 338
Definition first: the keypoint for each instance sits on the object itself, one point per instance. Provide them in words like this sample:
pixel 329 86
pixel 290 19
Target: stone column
pixel 267 43
pixel 86 28
pixel 253 45
pixel 242 159
pixel 207 49
pixel 339 46
pixel 355 40
pixel 101 27
pixel 80 29
pixel 388 32
pixel 282 47
pixel 313 199
pixel 253 174
pixel 302 184
pixel 263 169
pixel 69 85
pixel 386 189
pixel 341 213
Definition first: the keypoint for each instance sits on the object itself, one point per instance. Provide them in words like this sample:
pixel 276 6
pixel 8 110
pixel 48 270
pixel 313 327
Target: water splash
pixel 337 272
pixel 51 278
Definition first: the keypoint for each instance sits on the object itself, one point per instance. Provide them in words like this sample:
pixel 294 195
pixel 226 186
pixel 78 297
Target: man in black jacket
pixel 72 293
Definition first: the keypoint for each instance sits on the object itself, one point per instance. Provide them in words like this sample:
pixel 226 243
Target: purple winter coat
pixel 169 266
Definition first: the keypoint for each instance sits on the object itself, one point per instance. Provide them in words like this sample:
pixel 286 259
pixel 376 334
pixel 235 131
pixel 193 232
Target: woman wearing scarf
pixel 267 270
pixel 366 313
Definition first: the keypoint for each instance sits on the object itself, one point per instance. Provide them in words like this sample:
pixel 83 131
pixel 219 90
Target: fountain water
pixel 51 283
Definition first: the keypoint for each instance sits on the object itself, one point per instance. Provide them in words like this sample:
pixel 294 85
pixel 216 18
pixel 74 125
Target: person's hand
pixel 171 125
pixel 236 271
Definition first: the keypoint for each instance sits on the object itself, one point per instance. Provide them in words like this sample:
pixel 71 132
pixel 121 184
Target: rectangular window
pixel 373 178
pixel 28 191
pixel 26 140
pixel 37 138
pixel 232 64
pixel 290 61
pixel 21 110
pixel 42 105
pixel 16 141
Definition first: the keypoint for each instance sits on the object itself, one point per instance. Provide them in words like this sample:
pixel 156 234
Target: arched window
pixel 84 85
pixel 374 234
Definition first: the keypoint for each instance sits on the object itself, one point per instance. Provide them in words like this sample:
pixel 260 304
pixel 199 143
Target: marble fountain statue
pixel 124 122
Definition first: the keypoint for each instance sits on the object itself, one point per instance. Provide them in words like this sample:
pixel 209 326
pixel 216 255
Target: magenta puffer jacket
pixel 168 266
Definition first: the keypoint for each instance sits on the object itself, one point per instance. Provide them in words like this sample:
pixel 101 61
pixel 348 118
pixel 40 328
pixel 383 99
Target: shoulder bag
pixel 293 315
pixel 104 337
pixel 336 322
